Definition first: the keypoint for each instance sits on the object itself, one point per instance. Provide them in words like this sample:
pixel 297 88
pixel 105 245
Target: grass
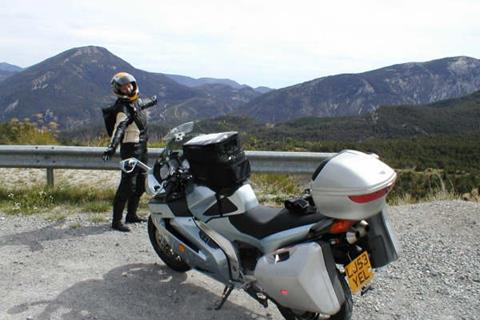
pixel 407 198
pixel 75 225
pixel 56 216
pixel 98 218
pixel 275 188
pixel 271 189
pixel 97 206
pixel 39 199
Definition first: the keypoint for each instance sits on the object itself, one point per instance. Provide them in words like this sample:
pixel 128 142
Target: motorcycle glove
pixel 108 153
pixel 145 103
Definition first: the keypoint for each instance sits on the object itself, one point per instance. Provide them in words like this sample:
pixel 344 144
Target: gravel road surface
pixel 75 269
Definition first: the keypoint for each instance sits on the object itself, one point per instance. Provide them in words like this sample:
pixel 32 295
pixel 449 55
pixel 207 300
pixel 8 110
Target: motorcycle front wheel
pixel 345 312
pixel 164 251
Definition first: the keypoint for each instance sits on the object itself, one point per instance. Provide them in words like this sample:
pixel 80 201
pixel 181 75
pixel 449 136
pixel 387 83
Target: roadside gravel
pixel 75 269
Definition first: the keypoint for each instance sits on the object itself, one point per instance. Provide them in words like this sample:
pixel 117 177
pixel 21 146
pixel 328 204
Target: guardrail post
pixel 50 177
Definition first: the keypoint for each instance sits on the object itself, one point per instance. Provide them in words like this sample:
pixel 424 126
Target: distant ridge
pixel 351 94
pixel 192 82
pixel 7 69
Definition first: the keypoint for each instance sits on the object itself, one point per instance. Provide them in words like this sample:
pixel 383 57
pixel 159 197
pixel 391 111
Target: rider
pixel 130 131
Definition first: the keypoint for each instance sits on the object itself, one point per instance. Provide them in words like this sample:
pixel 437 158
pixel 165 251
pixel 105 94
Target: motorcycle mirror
pixel 128 165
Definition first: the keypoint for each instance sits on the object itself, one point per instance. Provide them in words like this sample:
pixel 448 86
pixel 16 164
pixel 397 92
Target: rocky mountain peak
pixel 463 65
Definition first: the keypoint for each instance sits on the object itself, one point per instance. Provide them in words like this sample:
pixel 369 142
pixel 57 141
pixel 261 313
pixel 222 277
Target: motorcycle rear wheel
pixel 345 312
pixel 164 251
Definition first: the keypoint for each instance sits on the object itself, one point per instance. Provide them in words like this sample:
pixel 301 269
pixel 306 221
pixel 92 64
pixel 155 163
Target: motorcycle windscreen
pixel 383 243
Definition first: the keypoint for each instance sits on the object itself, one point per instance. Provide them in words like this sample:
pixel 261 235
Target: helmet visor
pixel 122 78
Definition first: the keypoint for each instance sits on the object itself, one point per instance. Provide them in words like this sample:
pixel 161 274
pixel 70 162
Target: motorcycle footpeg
pixel 263 300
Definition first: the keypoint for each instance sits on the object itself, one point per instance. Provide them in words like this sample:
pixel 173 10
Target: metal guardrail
pixel 52 157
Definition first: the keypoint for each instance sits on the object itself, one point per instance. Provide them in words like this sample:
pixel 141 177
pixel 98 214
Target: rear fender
pixel 383 243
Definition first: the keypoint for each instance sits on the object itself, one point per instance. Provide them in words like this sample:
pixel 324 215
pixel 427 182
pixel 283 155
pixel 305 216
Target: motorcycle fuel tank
pixel 351 185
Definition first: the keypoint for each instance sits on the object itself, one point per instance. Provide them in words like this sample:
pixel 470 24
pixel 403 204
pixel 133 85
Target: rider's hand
pixel 108 153
pixel 154 99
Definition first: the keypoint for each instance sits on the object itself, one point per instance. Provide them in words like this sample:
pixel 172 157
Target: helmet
pixel 120 79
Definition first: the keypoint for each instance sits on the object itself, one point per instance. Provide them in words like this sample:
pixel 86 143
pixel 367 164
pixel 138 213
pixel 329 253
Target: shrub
pixel 25 132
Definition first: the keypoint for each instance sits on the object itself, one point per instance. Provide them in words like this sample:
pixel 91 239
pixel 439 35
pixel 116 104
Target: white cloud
pixel 267 42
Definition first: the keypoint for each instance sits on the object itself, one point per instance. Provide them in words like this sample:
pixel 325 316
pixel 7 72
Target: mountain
pixel 216 100
pixel 7 70
pixel 444 118
pixel 71 87
pixel 193 82
pixel 9 67
pixel 353 94
pixel 263 89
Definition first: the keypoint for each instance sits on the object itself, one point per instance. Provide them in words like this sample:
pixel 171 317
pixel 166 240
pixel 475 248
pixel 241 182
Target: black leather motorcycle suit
pixel 131 133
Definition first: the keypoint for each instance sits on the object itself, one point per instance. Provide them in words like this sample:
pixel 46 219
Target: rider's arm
pixel 123 120
pixel 145 103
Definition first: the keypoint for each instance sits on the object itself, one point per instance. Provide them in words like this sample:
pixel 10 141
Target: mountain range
pixel 353 94
pixel 71 87
pixel 447 117
pixel 459 117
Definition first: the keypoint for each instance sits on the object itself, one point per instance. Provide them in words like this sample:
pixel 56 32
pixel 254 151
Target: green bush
pixel 25 132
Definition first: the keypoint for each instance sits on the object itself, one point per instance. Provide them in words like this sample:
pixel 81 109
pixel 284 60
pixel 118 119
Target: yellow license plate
pixel 359 272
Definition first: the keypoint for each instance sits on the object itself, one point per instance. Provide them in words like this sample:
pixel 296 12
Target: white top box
pixel 352 185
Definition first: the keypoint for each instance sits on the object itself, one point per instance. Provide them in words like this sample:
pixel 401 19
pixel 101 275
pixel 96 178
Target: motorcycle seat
pixel 263 221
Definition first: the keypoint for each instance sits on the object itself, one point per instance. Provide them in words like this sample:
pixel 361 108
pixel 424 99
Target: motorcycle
pixel 307 258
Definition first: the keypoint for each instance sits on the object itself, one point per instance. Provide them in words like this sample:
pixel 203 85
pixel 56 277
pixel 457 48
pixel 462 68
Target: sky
pixel 259 43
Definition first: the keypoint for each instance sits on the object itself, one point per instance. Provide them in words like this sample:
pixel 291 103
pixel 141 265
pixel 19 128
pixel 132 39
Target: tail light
pixel 284 292
pixel 341 226
pixel 364 198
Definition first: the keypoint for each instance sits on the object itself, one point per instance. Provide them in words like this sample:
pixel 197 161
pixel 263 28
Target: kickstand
pixel 226 293
pixel 366 289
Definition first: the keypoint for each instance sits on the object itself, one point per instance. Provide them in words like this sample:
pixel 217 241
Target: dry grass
pixel 56 216
pixel 75 225
pixel 98 218
pixel 40 199
pixel 438 195
pixel 24 192
pixel 275 188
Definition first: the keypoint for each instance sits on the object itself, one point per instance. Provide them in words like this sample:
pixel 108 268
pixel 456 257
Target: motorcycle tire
pixel 164 251
pixel 345 312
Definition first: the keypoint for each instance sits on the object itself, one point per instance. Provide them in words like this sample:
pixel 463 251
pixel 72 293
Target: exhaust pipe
pixel 359 230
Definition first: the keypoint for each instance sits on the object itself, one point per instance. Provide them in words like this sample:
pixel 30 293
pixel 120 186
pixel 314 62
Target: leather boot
pixel 118 206
pixel 120 226
pixel 132 211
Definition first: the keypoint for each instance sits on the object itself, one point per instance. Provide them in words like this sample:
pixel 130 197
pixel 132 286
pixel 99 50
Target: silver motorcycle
pixel 306 258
